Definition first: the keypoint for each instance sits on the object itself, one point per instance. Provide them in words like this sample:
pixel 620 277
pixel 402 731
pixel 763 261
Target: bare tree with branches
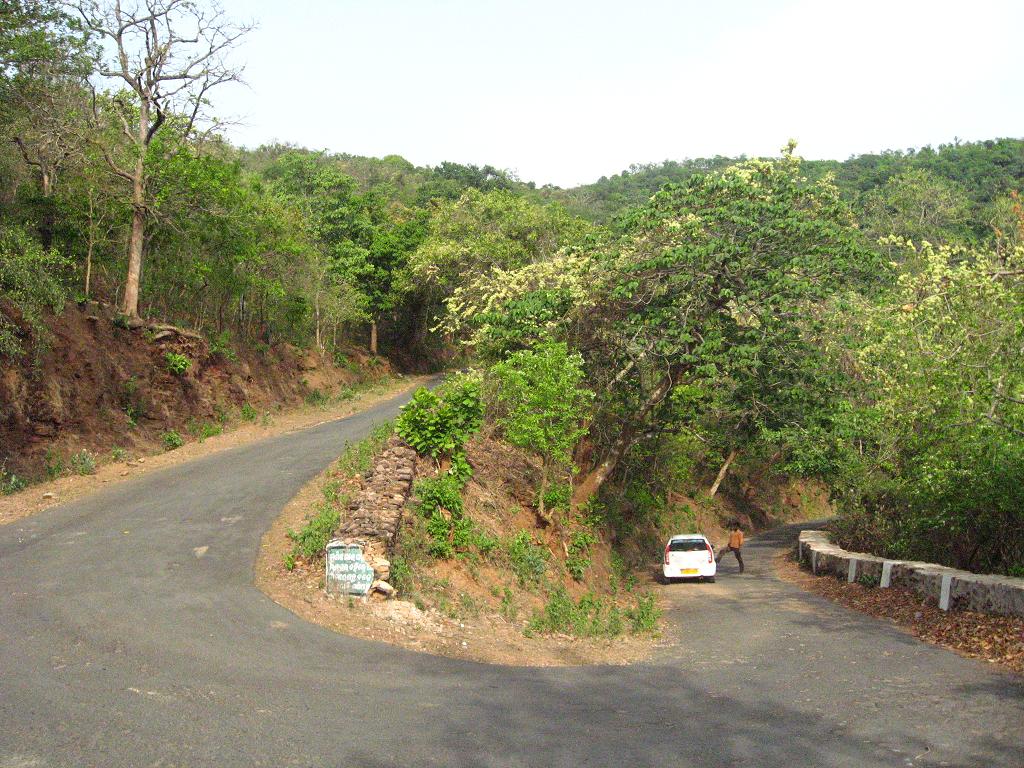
pixel 170 53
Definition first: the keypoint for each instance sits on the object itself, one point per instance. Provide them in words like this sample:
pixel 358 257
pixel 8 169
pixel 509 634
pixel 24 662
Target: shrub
pixel 177 363
pixel 440 503
pixel 10 482
pixel 317 398
pixel 529 561
pixel 578 559
pixel 131 402
pixel 558 496
pixel 248 413
pixel 171 440
pixel 31 280
pixel 117 453
pixel 83 463
pixel 220 346
pixel 645 615
pixel 401 574
pixel 204 429
pixel 311 539
pixel 54 463
pixel 590 617
pixel 439 424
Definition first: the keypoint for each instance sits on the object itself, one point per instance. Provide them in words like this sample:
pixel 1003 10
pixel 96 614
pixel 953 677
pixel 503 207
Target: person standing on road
pixel 735 546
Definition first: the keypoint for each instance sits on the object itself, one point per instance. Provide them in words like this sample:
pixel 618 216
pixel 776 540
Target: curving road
pixel 124 643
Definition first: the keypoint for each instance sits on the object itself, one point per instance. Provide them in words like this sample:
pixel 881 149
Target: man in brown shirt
pixel 735 546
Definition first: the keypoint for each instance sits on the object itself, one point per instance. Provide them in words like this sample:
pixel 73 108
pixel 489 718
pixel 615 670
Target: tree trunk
pixel 88 251
pixel 46 225
pixel 722 472
pixel 596 477
pixel 543 489
pixel 130 306
pixel 373 338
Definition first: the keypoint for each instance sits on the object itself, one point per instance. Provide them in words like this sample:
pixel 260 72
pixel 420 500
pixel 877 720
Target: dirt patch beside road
pixel 996 639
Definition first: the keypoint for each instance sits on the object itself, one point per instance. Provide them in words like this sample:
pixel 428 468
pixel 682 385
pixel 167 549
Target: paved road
pixel 120 647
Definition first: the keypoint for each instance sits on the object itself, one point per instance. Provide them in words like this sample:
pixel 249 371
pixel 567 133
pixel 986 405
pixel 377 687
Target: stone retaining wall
pixel 950 587
pixel 375 514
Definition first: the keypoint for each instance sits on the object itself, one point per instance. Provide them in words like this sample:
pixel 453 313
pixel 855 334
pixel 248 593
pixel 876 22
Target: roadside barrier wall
pixel 951 588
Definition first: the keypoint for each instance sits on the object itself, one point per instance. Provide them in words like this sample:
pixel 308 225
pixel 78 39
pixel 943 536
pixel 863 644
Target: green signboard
pixel 348 573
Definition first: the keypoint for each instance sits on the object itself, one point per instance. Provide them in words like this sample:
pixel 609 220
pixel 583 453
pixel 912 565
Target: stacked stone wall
pixel 374 516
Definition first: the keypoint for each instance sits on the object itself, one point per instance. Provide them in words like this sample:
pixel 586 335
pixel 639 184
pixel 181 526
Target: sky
pixel 564 92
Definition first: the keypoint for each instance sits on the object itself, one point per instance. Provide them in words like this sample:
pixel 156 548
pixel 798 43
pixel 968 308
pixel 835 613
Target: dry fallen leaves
pixel 997 639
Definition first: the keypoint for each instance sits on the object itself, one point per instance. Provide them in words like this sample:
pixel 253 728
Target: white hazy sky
pixel 565 91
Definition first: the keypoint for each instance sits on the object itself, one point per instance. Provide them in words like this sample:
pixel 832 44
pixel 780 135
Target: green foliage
pixel 248 413
pixel 220 346
pixel 171 440
pixel 557 496
pixel 117 453
pixel 439 424
pixel 528 560
pixel 311 539
pixel 83 463
pixel 868 580
pixel 928 442
pixel 540 403
pixel 578 559
pixel 53 463
pixel 590 617
pixel 177 363
pixel 317 399
pixel 10 482
pixel 440 503
pixel 30 286
pixel 201 430
pixel 401 575
pixel 644 616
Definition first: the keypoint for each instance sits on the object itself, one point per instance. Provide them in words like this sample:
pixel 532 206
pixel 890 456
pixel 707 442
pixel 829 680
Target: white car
pixel 689 556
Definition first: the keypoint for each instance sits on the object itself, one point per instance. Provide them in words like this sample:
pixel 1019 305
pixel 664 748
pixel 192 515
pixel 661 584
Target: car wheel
pixel 710 579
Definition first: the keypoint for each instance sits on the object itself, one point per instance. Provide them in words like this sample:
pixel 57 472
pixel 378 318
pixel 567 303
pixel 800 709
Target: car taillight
pixel 666 555
pixel 711 553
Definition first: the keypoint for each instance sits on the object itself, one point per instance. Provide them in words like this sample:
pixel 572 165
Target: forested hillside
pixel 685 329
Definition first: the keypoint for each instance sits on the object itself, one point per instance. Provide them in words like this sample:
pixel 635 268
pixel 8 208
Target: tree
pixel 30 285
pixel 933 429
pixel 714 278
pixel 541 405
pixel 170 54
pixel 917 205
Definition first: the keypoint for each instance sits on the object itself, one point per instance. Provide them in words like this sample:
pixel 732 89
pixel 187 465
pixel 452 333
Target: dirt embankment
pixel 101 386
pixel 475 605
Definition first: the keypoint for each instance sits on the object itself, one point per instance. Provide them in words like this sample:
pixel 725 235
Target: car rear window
pixel 686 545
